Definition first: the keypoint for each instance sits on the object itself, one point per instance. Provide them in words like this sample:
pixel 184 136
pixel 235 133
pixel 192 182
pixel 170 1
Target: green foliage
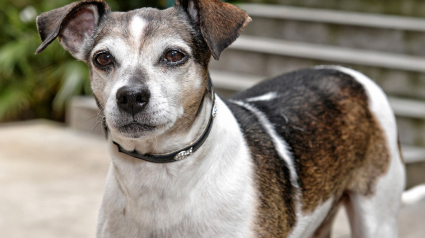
pixel 34 86
pixel 39 86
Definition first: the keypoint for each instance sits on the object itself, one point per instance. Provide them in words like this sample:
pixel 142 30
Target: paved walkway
pixel 52 179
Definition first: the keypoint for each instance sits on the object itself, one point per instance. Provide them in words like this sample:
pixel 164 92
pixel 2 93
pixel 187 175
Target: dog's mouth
pixel 135 129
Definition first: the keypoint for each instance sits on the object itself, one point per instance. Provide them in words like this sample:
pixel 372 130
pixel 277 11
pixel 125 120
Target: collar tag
pixel 214 111
pixel 183 154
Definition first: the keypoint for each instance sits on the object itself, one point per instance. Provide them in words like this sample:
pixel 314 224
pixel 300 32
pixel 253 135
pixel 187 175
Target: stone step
pixel 397 74
pixel 410 120
pixel 227 83
pixel 414 158
pixel 393 7
pixel 83 114
pixel 408 108
pixel 329 53
pixel 387 33
pixel 334 16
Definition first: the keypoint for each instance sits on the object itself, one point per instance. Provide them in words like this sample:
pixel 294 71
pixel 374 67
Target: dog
pixel 276 160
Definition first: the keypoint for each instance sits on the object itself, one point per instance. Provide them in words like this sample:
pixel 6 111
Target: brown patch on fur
pixel 375 164
pixel 344 147
pixel 275 212
pixel 192 105
pixel 336 142
pixel 355 154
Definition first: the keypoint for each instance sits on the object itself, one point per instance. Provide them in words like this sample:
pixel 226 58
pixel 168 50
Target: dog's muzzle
pixel 181 154
pixel 133 99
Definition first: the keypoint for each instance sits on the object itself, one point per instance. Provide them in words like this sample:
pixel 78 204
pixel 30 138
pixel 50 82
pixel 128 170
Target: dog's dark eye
pixel 174 56
pixel 104 59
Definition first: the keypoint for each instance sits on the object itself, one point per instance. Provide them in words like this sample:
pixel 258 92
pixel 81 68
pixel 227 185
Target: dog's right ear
pixel 74 25
pixel 220 23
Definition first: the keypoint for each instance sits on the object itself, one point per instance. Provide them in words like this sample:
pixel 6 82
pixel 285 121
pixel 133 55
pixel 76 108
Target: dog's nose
pixel 132 99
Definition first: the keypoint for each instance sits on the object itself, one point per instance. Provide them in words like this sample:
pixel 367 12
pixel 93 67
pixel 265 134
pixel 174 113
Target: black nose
pixel 132 99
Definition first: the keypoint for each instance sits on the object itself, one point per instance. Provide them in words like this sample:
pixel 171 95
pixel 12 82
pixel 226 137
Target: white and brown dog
pixel 273 161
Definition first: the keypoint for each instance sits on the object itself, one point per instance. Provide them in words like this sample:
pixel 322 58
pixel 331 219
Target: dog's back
pixel 319 137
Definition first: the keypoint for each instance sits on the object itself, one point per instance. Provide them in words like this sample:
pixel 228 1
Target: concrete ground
pixel 52 179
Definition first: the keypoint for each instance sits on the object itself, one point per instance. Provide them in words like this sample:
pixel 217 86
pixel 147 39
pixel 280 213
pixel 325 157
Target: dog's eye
pixel 104 59
pixel 174 56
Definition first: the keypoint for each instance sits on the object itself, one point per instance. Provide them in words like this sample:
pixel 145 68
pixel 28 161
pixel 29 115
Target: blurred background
pixel 40 86
pixel 53 159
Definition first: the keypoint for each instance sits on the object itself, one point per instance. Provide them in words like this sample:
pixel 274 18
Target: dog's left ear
pixel 220 23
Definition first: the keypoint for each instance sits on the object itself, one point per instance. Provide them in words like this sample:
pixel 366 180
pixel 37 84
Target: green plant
pixel 34 86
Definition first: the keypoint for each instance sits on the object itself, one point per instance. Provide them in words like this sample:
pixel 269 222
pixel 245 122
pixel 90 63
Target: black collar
pixel 179 154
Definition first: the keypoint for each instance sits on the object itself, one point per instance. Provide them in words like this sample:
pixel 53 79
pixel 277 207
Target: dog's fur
pixel 280 157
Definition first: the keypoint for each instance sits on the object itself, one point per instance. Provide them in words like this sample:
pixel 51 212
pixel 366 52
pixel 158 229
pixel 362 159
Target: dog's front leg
pixel 112 213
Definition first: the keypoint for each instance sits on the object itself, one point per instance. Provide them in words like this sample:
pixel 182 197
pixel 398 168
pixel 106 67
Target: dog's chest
pixel 208 196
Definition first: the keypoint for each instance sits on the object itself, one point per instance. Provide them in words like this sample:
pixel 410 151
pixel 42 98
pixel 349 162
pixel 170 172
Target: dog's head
pixel 148 67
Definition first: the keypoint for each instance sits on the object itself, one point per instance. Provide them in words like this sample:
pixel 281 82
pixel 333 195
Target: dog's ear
pixel 72 24
pixel 220 23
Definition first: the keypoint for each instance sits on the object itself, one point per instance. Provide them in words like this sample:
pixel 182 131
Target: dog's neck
pixel 171 140
pixel 180 193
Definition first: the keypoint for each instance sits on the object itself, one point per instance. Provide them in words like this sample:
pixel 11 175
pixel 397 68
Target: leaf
pixel 13 100
pixel 10 54
pixel 75 77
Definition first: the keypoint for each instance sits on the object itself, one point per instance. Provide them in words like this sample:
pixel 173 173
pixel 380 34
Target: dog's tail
pixel 413 195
